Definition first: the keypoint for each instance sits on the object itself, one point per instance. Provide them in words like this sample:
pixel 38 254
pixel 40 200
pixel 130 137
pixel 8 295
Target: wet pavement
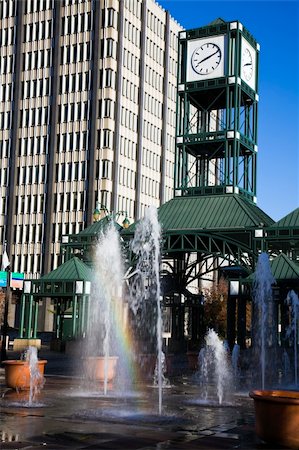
pixel 69 416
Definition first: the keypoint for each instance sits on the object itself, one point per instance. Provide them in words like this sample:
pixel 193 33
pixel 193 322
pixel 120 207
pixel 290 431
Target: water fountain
pixel 293 301
pixel 105 310
pixel 215 371
pixel 26 374
pixel 145 290
pixel 264 317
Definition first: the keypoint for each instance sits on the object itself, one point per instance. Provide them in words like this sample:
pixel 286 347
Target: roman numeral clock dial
pixel 206 58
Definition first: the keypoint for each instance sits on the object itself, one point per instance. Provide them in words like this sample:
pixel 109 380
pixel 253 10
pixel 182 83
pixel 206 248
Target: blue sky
pixel 275 25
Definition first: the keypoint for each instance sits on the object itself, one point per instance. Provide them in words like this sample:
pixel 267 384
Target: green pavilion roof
pixel 72 270
pixel 229 211
pixel 290 220
pixel 98 227
pixel 284 269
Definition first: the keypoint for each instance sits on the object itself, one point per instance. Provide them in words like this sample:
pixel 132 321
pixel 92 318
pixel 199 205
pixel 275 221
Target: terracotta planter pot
pixel 17 373
pixel 277 417
pixel 95 367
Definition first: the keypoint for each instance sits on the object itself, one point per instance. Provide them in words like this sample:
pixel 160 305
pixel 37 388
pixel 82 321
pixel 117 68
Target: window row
pixel 173 40
pixel 71 2
pixel 76 23
pixel 154 51
pixel 129 119
pixel 104 169
pixel 128 148
pixel 69 201
pixel 105 138
pixel 70 112
pixel 35 88
pixel 7 36
pixel 34 145
pixel 132 33
pixel 127 177
pixel 169 169
pixel 134 6
pixel 4 177
pixel 155 24
pixel 171 118
pixel 31 175
pixel 34 116
pixel 6 64
pixel 152 132
pixel 29 264
pixel 70 54
pixel 5 120
pixel 75 82
pixel 70 171
pixel 37 59
pixel 72 141
pixel 153 78
pixel 150 187
pixel 60 229
pixel 29 204
pixel 152 105
pixel 32 233
pixel 108 48
pixel 173 66
pixel 131 62
pixel 107 78
pixel 127 205
pixel 7 9
pixel 172 92
pixel 38 30
pixel 151 160
pixel 3 205
pixel 4 148
pixel 106 108
pixel 130 90
pixel 38 5
pixel 109 17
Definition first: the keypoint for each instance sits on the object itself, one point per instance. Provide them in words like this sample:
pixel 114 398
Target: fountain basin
pixel 17 373
pixel 95 367
pixel 277 416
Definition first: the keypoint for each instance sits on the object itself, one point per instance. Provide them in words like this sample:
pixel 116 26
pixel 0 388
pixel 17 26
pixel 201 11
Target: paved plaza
pixel 65 416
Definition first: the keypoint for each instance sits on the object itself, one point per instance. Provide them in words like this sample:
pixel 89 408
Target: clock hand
pixel 207 57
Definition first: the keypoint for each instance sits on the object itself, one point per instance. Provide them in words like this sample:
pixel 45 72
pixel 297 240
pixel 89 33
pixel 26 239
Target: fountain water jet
pixel 105 301
pixel 214 366
pixel 262 297
pixel 293 300
pixel 145 286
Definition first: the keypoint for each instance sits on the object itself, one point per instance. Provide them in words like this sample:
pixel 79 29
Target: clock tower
pixel 216 144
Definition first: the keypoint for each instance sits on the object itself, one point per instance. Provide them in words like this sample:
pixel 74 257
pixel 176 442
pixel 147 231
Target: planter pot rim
pixel 21 362
pixel 276 396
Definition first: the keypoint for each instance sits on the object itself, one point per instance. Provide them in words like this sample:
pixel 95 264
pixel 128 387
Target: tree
pixel 215 307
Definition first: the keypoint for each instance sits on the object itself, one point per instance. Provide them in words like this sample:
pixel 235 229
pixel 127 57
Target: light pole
pixel 110 215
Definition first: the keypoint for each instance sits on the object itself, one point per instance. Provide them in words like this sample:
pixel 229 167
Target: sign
pixel 16 280
pixel 3 278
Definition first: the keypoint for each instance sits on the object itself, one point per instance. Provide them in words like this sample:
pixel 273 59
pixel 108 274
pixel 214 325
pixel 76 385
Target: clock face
pixel 206 58
pixel 247 64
